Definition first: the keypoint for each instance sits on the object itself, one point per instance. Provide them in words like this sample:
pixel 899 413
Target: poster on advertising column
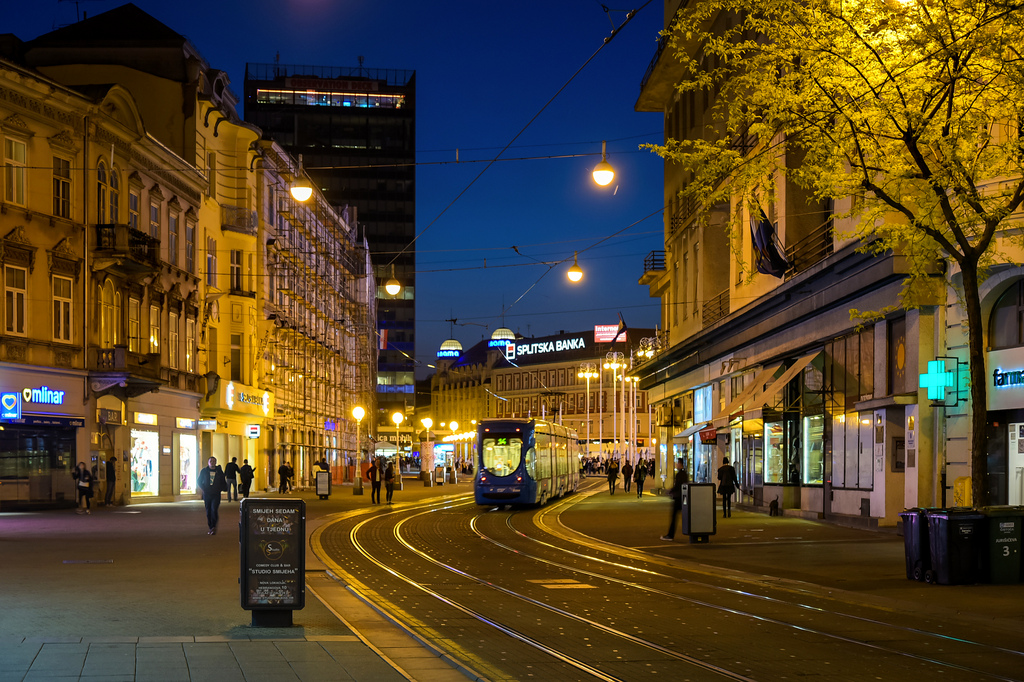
pixel 273 553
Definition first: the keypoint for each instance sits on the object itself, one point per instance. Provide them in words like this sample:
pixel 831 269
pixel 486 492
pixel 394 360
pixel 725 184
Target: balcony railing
pixel 662 41
pixel 715 309
pixel 655 260
pixel 119 239
pixel 236 219
pixel 815 247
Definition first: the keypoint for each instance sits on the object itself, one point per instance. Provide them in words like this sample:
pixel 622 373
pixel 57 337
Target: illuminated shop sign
pixel 330 425
pixel 606 333
pixel 43 395
pixel 497 343
pixel 556 346
pixel 1012 379
pixel 145 418
pixel 243 396
pixel 208 424
pixel 10 406
pixel 252 430
pixel 183 423
pixel 448 353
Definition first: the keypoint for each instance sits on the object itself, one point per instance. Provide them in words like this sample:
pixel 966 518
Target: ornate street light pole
pixel 357 483
pixel 613 360
pixel 588 371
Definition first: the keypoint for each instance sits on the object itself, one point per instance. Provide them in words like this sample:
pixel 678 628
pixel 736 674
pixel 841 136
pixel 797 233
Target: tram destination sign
pixel 273 554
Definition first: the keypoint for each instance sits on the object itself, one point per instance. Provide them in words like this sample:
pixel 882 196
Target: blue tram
pixel 525 461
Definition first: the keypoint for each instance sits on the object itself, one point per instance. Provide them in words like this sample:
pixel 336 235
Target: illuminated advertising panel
pixel 188 463
pixel 145 463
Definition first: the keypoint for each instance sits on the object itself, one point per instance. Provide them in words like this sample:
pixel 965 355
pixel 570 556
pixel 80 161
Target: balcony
pixel 715 309
pixel 236 219
pixel 654 267
pixel 814 248
pixel 118 372
pixel 658 83
pixel 122 250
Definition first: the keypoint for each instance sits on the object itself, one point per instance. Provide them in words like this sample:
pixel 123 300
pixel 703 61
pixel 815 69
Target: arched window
pixel 115 194
pixel 101 192
pixel 107 320
pixel 1006 325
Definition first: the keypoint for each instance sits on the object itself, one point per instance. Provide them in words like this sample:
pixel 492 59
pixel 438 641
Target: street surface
pixel 583 589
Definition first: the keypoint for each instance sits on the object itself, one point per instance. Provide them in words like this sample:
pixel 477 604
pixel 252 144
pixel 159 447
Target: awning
pixel 686 433
pixel 787 376
pixel 757 385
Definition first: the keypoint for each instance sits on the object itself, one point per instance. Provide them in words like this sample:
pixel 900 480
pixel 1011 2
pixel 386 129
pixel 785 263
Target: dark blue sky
pixel 483 70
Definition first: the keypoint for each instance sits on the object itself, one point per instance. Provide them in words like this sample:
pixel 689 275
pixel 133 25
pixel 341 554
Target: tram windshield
pixel 501 454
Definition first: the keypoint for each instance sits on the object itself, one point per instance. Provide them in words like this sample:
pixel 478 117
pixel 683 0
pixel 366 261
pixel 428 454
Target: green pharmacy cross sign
pixel 938 379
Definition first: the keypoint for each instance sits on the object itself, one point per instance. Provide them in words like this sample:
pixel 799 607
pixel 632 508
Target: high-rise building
pixel 356 131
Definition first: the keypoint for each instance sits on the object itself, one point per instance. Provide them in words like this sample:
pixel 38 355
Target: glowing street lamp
pixel 357 484
pixel 614 360
pixel 603 171
pixel 301 189
pixel 574 274
pixel 392 286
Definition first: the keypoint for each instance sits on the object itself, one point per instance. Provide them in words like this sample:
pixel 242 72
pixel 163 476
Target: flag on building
pixel 621 331
pixel 382 334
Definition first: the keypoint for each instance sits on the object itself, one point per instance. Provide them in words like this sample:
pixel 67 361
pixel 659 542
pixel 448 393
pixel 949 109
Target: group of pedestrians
pixel 630 474
pixel 378 473
pixel 213 480
pixel 85 482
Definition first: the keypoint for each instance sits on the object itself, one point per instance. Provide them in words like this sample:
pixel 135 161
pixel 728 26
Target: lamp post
pixel 427 467
pixel 613 360
pixel 357 483
pixel 587 371
pixel 630 436
pixel 398 418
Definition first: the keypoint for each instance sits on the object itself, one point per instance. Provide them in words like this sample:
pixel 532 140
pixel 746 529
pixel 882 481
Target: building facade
pixel 830 416
pixel 133 257
pixel 356 131
pixel 567 378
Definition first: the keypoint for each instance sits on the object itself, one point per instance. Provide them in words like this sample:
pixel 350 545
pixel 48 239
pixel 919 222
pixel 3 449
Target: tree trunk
pixel 979 394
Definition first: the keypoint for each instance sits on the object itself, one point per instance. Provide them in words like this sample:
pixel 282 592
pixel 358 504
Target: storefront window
pixel 145 462
pixel 774 450
pixel 813 442
pixel 188 457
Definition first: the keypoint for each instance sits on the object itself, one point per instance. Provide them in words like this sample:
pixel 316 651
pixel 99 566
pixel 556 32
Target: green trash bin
pixel 1004 539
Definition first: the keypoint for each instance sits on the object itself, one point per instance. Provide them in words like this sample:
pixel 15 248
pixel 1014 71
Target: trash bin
pixel 956 540
pixel 915 542
pixel 698 518
pixel 1004 538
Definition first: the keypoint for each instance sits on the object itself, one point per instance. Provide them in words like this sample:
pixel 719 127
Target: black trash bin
pixel 1004 527
pixel 956 539
pixel 915 542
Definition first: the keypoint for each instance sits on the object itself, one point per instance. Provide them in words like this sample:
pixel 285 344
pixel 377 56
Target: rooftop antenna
pixel 361 59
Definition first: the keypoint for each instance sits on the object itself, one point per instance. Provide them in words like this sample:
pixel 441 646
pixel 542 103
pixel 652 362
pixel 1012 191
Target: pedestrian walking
pixel 376 475
pixel 613 475
pixel 727 484
pixel 284 473
pixel 676 493
pixel 389 482
pixel 83 487
pixel 211 484
pixel 627 475
pixel 245 476
pixel 231 477
pixel 639 476
pixel 108 496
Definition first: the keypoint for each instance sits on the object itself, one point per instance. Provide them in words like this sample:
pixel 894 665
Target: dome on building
pixel 451 344
pixel 503 334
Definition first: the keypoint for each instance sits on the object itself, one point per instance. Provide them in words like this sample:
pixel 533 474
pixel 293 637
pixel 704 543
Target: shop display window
pixel 774 452
pixel 813 450
pixel 188 463
pixel 145 465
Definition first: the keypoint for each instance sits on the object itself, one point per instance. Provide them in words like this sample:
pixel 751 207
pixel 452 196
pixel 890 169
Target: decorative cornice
pixel 15 124
pixel 64 140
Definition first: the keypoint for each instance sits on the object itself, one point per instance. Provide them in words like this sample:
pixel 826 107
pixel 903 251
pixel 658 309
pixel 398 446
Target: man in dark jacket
pixel 108 497
pixel 727 484
pixel 212 484
pixel 676 493
pixel 245 474
pixel 231 476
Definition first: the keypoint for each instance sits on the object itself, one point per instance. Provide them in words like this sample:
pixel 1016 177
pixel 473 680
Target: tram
pixel 525 461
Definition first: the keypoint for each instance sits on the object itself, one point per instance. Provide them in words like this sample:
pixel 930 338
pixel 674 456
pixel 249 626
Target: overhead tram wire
pixel 608 39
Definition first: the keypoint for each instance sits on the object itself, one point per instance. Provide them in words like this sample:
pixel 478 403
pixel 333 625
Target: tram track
pixel 417 549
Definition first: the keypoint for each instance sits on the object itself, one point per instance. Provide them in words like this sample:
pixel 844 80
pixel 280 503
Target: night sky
pixel 483 71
